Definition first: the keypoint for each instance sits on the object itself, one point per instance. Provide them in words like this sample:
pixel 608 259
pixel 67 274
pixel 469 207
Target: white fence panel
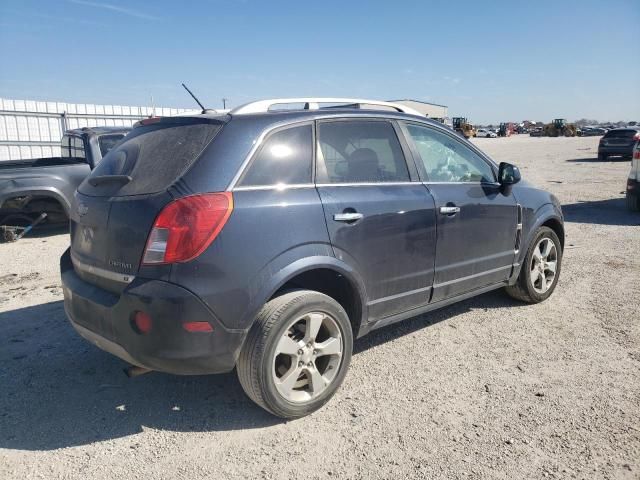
pixel 32 129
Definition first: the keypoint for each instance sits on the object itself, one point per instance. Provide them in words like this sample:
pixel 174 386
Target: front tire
pixel 540 270
pixel 297 353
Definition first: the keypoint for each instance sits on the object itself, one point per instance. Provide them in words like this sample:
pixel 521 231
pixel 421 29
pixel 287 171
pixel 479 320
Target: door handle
pixel 347 217
pixel 449 210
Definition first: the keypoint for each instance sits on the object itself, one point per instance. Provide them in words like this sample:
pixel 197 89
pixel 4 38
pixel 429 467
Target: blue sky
pixel 490 61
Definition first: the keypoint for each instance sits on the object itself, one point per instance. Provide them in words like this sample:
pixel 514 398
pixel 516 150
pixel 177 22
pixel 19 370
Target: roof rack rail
pixel 311 103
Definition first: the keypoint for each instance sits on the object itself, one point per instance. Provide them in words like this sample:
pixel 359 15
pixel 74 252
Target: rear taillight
pixel 636 154
pixel 186 227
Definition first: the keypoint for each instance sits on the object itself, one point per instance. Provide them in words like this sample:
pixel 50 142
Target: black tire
pixel 255 363
pixel 602 157
pixel 523 289
pixel 633 203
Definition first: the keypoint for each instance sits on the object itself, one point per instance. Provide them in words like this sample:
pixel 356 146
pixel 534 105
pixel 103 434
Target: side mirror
pixel 508 174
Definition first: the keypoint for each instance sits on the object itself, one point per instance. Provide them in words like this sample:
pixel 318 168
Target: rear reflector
pixel 142 322
pixel 186 227
pixel 197 327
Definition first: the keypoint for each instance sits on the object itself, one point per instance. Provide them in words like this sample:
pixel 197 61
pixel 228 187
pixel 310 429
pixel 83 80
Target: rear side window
pixel 154 156
pixel 285 158
pixel 359 152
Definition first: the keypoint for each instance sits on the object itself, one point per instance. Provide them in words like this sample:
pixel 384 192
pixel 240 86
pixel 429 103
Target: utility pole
pixel 224 103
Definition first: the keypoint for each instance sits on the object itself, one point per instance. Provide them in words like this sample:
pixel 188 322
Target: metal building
pixel 431 110
pixel 31 129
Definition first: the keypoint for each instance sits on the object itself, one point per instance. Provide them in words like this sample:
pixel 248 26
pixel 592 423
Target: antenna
pixel 153 107
pixel 204 110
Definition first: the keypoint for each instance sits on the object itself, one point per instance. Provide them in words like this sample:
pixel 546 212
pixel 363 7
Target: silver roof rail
pixel 311 103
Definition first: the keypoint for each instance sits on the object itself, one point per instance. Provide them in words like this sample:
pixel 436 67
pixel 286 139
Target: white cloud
pixel 115 8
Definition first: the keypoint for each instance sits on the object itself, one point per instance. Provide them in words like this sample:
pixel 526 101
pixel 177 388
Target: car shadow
pixel 60 391
pixel 596 160
pixel 604 212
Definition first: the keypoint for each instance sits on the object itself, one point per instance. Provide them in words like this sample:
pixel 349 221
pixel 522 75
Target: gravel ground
pixel 488 388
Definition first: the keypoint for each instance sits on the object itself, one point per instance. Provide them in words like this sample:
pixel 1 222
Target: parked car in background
pixel 633 181
pixel 178 261
pixel 593 131
pixel 536 132
pixel 618 142
pixel 485 132
pixel 46 185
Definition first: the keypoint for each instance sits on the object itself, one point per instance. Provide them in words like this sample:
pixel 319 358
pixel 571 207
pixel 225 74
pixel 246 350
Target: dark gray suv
pixel 267 240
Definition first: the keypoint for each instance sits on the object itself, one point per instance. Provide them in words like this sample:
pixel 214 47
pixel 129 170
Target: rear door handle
pixel 347 217
pixel 449 210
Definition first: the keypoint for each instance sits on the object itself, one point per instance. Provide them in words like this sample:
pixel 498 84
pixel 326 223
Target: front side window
pixel 445 159
pixel 285 158
pixel 359 151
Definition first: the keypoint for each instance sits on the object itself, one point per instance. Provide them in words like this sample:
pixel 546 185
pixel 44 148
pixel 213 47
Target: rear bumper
pixel 624 150
pixel 105 319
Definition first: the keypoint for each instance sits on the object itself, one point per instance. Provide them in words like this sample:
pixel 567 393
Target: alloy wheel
pixel 307 357
pixel 544 262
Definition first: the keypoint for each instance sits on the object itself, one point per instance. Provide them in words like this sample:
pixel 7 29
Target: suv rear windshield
pixel 621 133
pixel 107 142
pixel 154 156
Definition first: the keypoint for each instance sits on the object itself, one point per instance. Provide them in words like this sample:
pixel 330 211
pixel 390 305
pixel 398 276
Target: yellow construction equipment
pixel 463 127
pixel 559 128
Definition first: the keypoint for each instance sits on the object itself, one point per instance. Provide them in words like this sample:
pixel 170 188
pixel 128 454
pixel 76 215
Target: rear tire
pixel 536 282
pixel 633 203
pixel 297 353
pixel 602 157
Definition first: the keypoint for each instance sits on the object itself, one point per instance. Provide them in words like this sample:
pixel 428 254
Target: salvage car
pixel 618 142
pixel 485 132
pixel 31 187
pixel 268 239
pixel 633 181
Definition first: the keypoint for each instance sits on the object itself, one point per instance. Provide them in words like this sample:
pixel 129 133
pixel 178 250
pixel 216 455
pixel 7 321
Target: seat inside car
pixel 363 165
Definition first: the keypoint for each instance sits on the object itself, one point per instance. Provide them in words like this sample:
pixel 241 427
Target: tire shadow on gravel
pixel 604 212
pixel 57 390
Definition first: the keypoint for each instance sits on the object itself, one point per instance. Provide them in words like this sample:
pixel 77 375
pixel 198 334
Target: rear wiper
pixel 100 179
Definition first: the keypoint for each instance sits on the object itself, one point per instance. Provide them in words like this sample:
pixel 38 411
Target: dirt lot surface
pixel 488 388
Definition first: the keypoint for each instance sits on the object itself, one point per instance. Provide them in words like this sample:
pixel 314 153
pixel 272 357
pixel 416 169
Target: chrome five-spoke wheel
pixel 543 265
pixel 307 357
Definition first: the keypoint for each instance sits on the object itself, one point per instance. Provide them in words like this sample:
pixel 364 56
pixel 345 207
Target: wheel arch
pixel 326 275
pixel 48 193
pixel 557 226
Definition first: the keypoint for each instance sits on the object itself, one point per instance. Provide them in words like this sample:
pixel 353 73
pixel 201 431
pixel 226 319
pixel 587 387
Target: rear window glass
pixel 72 147
pixel 621 133
pixel 107 142
pixel 154 156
